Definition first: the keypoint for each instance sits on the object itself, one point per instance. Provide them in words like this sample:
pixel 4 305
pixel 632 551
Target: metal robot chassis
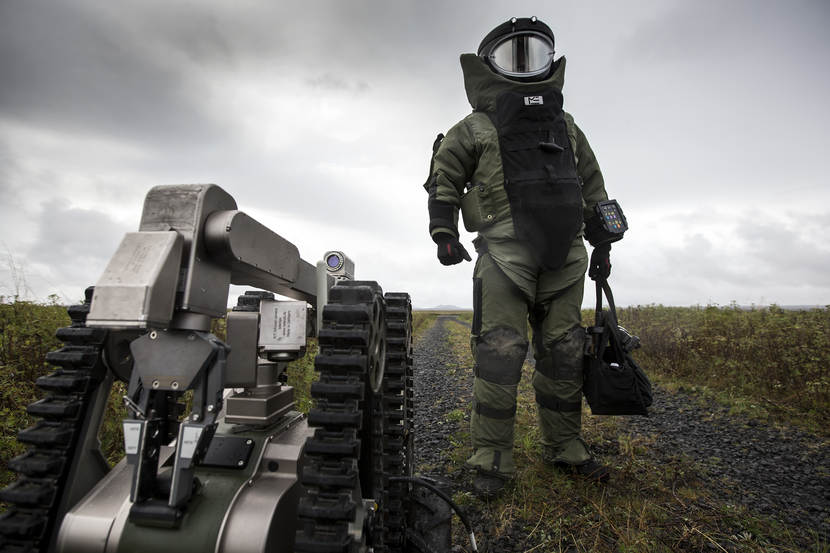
pixel 242 471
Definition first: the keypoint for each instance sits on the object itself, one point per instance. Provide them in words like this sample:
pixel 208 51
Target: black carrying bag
pixel 613 382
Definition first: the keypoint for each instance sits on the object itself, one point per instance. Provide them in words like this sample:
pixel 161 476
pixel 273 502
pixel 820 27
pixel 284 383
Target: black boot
pixel 589 470
pixel 488 485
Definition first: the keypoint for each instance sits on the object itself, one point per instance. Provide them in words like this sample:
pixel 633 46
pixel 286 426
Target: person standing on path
pixel 526 180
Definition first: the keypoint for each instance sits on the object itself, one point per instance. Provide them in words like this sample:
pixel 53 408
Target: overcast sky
pixel 710 121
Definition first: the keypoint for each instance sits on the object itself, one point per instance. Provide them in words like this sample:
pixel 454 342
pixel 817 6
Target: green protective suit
pixel 511 286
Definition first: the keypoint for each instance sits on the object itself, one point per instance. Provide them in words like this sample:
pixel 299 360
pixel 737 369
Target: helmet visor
pixel 522 55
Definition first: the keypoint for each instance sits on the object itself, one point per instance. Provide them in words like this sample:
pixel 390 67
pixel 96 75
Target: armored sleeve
pixel 593 185
pixel 452 165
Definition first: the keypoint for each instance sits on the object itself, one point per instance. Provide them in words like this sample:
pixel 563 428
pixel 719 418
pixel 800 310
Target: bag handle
pixel 602 286
pixel 610 322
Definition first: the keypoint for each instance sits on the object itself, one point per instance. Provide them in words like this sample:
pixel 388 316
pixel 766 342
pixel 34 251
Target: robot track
pixel 399 412
pixel 363 420
pixel 42 492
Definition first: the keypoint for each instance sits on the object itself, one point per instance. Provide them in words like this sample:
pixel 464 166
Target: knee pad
pixel 564 357
pixel 492 412
pixel 500 354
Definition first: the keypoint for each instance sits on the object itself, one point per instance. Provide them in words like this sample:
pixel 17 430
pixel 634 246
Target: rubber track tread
pixel 22 525
pixel 335 416
pixel 33 463
pixel 340 363
pixel 30 493
pixel 82 335
pixel 73 356
pixel 337 387
pixel 398 412
pixel 338 444
pixel 328 506
pixel 348 314
pixel 64 382
pixel 330 471
pixel 59 407
pixel 47 434
pixel 34 498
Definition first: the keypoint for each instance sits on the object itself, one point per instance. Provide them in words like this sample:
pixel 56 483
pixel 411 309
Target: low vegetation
pixel 27 332
pixel 652 504
pixel 422 320
pixel 769 363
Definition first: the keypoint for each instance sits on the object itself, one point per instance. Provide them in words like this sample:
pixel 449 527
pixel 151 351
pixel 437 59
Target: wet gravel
pixel 437 392
pixel 778 472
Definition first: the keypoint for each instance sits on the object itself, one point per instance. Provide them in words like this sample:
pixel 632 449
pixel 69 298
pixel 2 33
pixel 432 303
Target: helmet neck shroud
pixel 484 86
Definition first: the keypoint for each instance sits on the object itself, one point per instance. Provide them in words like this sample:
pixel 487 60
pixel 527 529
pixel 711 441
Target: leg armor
pixel 558 385
pixel 559 342
pixel 499 345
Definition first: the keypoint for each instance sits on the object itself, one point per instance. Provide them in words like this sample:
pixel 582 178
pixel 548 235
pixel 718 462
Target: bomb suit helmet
pixel 520 49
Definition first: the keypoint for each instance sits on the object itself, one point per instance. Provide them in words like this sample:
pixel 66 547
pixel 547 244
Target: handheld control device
pixel 608 226
pixel 611 216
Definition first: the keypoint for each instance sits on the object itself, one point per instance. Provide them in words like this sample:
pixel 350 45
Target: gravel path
pixel 436 393
pixel 782 473
pixel 439 391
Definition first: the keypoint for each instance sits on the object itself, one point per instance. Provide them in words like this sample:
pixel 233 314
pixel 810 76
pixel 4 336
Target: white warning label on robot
pixel 132 437
pixel 190 439
pixel 282 324
pixel 534 100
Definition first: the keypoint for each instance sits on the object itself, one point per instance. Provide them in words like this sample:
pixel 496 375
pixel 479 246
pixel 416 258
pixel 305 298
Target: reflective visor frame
pixel 521 54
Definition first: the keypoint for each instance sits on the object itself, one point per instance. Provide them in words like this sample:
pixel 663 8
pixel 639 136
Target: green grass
pixel 27 333
pixel 422 320
pixel 651 505
pixel 301 374
pixel 769 363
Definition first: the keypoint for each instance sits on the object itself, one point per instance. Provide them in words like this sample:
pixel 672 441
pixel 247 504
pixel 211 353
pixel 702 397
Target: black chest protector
pixel 539 173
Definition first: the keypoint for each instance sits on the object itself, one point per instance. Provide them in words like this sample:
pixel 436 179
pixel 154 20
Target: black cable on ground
pixel 424 484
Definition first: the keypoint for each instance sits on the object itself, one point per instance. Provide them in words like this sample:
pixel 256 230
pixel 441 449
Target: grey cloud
pixel 757 254
pixel 706 104
pixel 8 167
pixel 788 252
pixel 200 35
pixel 75 243
pixel 136 71
pixel 66 249
pixel 698 260
pixel 729 90
pixel 66 68
pixel 708 32
pixel 333 82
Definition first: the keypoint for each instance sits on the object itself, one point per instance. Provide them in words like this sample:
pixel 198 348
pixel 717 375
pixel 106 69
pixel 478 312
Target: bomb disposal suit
pixel 525 179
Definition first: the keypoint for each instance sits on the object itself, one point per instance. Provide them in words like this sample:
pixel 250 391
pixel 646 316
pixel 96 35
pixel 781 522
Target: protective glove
pixel 600 267
pixel 450 250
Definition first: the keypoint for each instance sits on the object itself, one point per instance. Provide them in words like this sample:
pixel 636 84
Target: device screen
pixel 612 217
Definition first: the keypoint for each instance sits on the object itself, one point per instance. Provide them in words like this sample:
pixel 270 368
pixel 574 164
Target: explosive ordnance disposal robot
pixel 242 471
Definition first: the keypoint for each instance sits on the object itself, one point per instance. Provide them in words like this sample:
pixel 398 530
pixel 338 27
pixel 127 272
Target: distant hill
pixel 784 307
pixel 739 307
pixel 443 308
